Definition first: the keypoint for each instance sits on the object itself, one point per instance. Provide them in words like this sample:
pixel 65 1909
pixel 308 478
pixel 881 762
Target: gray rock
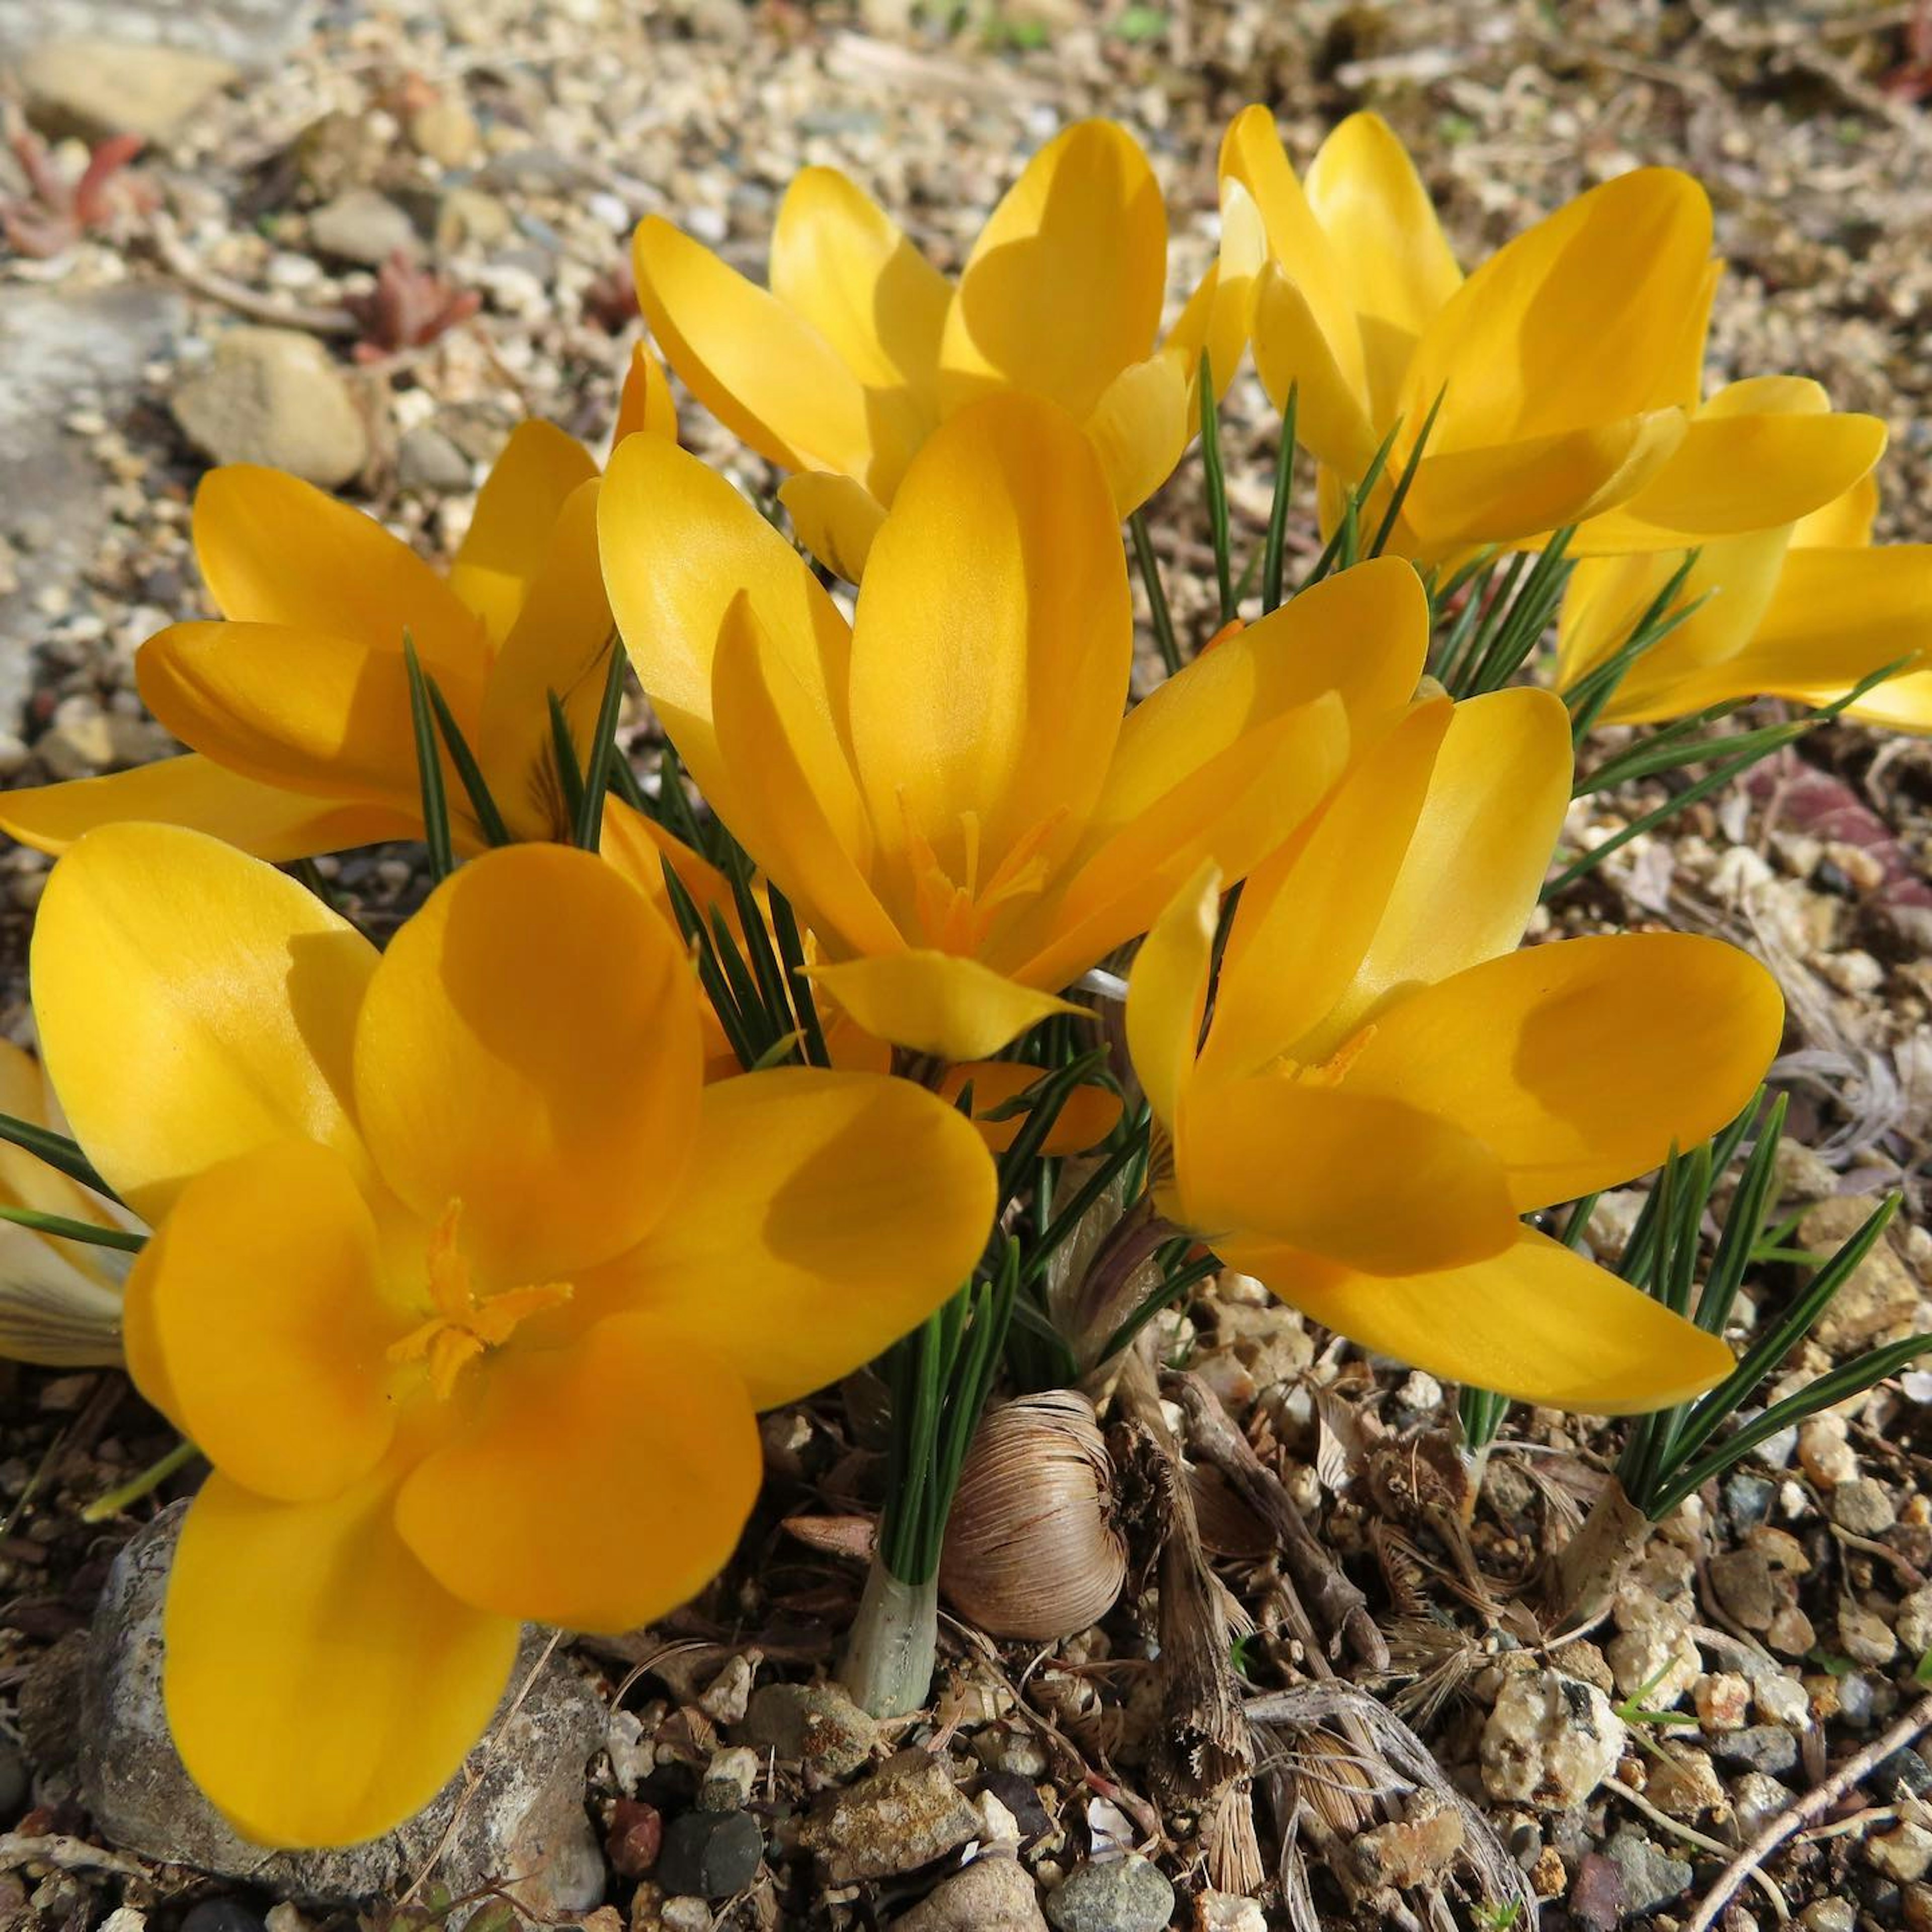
pixel 906 1814
pixel 56 348
pixel 992 1894
pixel 1829 1914
pixel 1760 1747
pixel 363 226
pixel 95 88
pixel 1596 1898
pixel 1757 1798
pixel 1651 1877
pixel 253 33
pixel 426 460
pixel 1863 1506
pixel 710 1854
pixel 1550 1741
pixel 1748 1499
pixel 272 396
pixel 1122 1895
pixel 816 1725
pixel 523 1824
pixel 1903 1769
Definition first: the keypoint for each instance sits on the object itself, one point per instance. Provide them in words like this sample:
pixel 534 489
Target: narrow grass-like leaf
pixel 710 972
pixel 1587 698
pixel 569 772
pixel 429 768
pixel 1400 495
pixel 1284 491
pixel 481 802
pixel 1215 477
pixel 1171 1289
pixel 603 754
pixel 1340 551
pixel 68 1230
pixel 58 1151
pixel 1743 1224
pixel 791 950
pixel 1163 618
pixel 1068 1214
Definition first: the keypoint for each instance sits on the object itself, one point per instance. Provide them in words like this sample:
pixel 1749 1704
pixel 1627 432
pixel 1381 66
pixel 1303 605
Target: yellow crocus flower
pixel 1567 364
pixel 1386 1085
pixel 297 705
pixel 946 788
pixel 1804 610
pixel 859 348
pixel 467 1284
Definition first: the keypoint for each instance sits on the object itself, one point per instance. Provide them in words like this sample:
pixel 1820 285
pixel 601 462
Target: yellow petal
pixel 52 1312
pixel 937 1002
pixel 646 403
pixel 1536 1322
pixel 798 811
pixel 1580 1064
pixel 1308 915
pixel 635 846
pixel 596 1486
pixel 824 1215
pixel 1577 324
pixel 1476 862
pixel 993 641
pixel 559 644
pixel 194 1004
pixel 530 1047
pixel 679 544
pixel 508 542
pixel 1308 261
pixel 278 551
pixel 298 710
pixel 1088 1116
pixel 1141 425
pixel 1759 454
pixel 839 261
pixel 1219 314
pixel 263 1328
pixel 1356 1178
pixel 195 792
pixel 1504 492
pixel 321 1685
pixel 1167 995
pixel 1393 258
pixel 763 371
pixel 835 518
pixel 1844 524
pixel 1293 353
pixel 1062 290
pixel 26 1181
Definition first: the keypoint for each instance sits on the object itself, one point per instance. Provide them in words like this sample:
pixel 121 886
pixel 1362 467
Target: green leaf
pixel 59 1151
pixel 429 768
pixel 1215 477
pixel 481 801
pixel 1163 618
pixel 1400 495
pixel 1284 488
pixel 67 1230
pixel 603 753
pixel 569 772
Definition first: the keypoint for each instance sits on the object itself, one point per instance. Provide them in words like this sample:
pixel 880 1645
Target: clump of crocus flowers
pixel 468 1263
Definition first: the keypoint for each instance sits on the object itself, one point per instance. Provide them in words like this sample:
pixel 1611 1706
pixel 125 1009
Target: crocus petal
pixel 1309 262
pixel 1140 426
pixel 1167 994
pixel 824 1215
pixel 277 550
pixel 1581 1064
pixel 194 1004
pixel 1062 290
pixel 1218 317
pixel 636 847
pixel 1390 250
pixel 321 1685
pixel 938 1003
pixel 835 518
pixel 1476 860
pixel 299 710
pixel 1538 1323
pixel 595 1487
pixel 52 1312
pixel 1293 353
pixel 841 263
pixel 263 1328
pixel 196 792
pixel 645 403
pixel 763 371
pixel 1844 524
pixel 1759 454
pixel 1357 1178
pixel 508 542
pixel 679 544
pixel 1308 915
pixel 1088 1116
pixel 1577 323
pixel 26 1180
pixel 994 639
pixel 559 645
pixel 799 814
pixel 530 1047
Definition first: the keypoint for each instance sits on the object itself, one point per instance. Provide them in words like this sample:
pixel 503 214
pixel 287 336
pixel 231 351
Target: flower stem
pixel 894 1644
pixel 149 1480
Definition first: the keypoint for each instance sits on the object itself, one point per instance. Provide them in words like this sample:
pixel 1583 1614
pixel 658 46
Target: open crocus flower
pixel 60 1300
pixel 465 1283
pixel 1386 1086
pixel 298 706
pixel 1805 610
pixel 860 348
pixel 1567 364
pixel 947 791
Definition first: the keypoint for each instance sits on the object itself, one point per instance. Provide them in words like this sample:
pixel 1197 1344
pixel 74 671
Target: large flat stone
pixel 252 34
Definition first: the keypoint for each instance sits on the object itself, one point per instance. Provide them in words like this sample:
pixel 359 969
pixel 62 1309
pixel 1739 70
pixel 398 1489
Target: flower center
pixel 466 1325
pixel 956 915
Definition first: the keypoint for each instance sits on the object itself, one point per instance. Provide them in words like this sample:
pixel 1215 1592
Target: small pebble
pixel 1723 1700
pixel 1863 1506
pixel 1121 1895
pixel 1757 1799
pixel 1762 1747
pixel 1904 1769
pixel 1823 1453
pixel 1828 1915
pixel 710 1854
pixel 1782 1700
pixel 1866 1636
pixel 1903 1854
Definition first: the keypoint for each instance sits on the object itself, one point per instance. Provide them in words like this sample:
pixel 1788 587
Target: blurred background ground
pixel 495 155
